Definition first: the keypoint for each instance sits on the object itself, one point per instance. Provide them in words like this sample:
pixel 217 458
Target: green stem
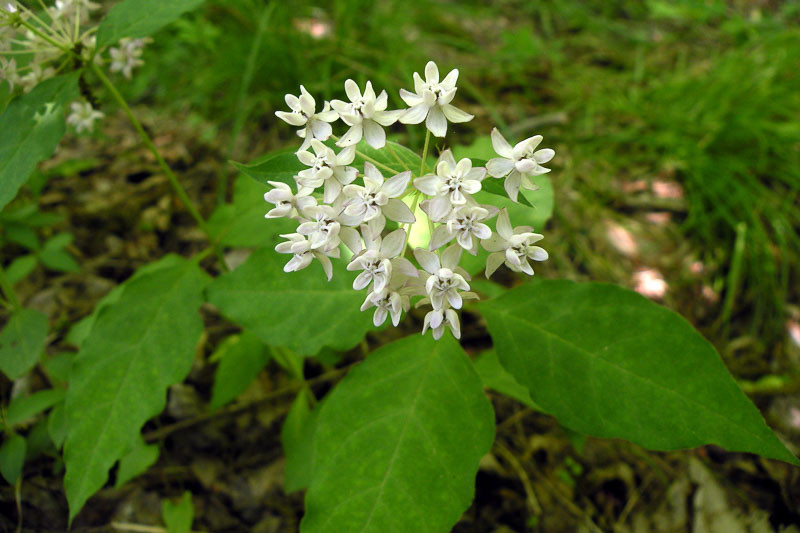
pixel 425 152
pixel 8 290
pixel 152 147
pixel 365 157
pixel 49 39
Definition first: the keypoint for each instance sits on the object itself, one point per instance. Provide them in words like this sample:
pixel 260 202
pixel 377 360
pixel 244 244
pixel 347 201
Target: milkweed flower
pixel 366 115
pixel 451 186
pixel 466 226
pixel 431 99
pixel 519 163
pixel 288 204
pixel 303 254
pixel 514 247
pixel 378 198
pixel 304 114
pixel 83 116
pixel 328 169
pixel 128 55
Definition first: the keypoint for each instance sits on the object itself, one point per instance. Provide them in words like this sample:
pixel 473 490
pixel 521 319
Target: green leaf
pixel 57 242
pixel 607 362
pixel 405 158
pixel 178 516
pixel 398 442
pixel 242 224
pixel 140 18
pixel 12 457
pixel 57 425
pixel 300 310
pixel 241 358
pixel 21 342
pixel 20 268
pixel 58 366
pixel 282 167
pixel 22 409
pixel 137 347
pixel 297 439
pixel 58 260
pixel 30 129
pixel 138 459
pixel 23 235
pixel 495 377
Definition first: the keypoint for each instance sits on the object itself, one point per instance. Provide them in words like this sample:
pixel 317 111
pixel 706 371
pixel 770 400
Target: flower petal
pixel 512 184
pixel 428 260
pixel 429 184
pixel 544 155
pixel 396 185
pixel 352 136
pixel 504 225
pixel 392 244
pixel 415 114
pixel 499 167
pixel 450 80
pixel 493 262
pixel 436 122
pixel 440 237
pixel 431 72
pixel 398 211
pixel 455 114
pixel 410 98
pixel 352 90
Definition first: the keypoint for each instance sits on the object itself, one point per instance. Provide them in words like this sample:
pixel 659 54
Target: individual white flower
pixel 8 72
pixel 519 163
pixel 303 254
pixel 514 247
pixel 323 228
pixel 128 55
pixel 436 321
pixel 450 186
pixel 82 116
pixel 10 7
pixel 444 282
pixel 327 168
pixel 288 204
pixel 378 198
pixel 389 301
pixel 380 258
pixel 304 114
pixel 465 224
pixel 431 102
pixel 366 115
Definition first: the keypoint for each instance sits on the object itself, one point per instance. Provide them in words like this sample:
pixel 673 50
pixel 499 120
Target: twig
pixel 533 501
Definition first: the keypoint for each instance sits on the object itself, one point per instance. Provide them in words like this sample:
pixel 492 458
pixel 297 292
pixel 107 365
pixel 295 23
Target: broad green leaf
pixel 21 342
pixel 241 358
pixel 495 377
pixel 137 347
pixel 59 260
pixel 30 129
pixel 23 235
pixel 398 441
pixel 300 310
pixel 297 439
pixel 20 268
pixel 58 366
pixel 282 166
pixel 607 362
pixel 178 516
pixel 140 18
pixel 12 457
pixel 38 440
pixel 395 156
pixel 242 223
pixel 139 458
pixel 22 409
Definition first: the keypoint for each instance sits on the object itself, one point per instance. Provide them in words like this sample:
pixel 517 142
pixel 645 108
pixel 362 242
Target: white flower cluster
pixel 334 203
pixel 40 40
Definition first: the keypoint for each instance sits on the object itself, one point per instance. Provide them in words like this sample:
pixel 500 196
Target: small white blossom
pixel 323 228
pixel 303 254
pixel 378 198
pixel 8 72
pixel 431 102
pixel 391 301
pixel 465 224
pixel 128 55
pixel 11 7
pixel 286 203
pixel 327 168
pixel 436 321
pixel 443 282
pixel 380 258
pixel 366 115
pixel 451 186
pixel 304 114
pixel 514 247
pixel 519 163
pixel 83 116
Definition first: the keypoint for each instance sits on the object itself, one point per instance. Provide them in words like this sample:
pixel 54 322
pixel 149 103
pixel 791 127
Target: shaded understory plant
pixel 396 444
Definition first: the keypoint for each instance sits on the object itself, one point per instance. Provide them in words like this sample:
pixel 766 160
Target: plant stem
pixel 8 290
pixel 49 39
pixel 365 157
pixel 425 152
pixel 152 147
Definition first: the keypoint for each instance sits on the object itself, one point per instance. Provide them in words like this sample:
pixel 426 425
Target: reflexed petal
pixel 345 175
pixel 538 254
pixel 371 172
pixel 362 280
pixel 512 184
pixel 396 185
pixel 500 145
pixel 405 267
pixel 493 262
pixel 455 114
pixel 439 207
pixel 418 83
pixel 410 98
pixel 351 239
pixel 369 93
pixel 452 321
pixel 332 190
pixel 544 155
pixel 525 267
pixel 436 123
pixel 352 90
pixel 427 260
pixel 374 134
pixel 321 130
pixel 387 118
pixel 431 72
pixel 477 173
pixel 463 167
pixel 393 243
pixel 447 97
pixel 326 265
pixel 512 258
pixel 382 101
pixel 447 156
pixel 440 237
pixel 352 136
pixel 415 114
pixel 291 118
pixel 327 116
pixel 306 157
pixel 495 243
pixel 429 184
pixel 504 225
pixel 436 318
pixel 451 256
pixel 453 298
pixel 526 146
pixel 379 317
pixel 398 211
pixel 450 80
pixel 499 167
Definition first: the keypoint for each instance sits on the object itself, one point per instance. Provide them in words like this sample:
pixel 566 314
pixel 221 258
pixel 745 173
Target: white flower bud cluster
pixel 335 203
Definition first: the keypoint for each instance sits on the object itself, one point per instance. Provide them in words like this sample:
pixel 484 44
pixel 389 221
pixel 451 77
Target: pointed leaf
pixel 22 409
pixel 138 459
pixel 21 342
pixel 610 363
pixel 241 358
pixel 12 457
pixel 278 167
pixel 140 18
pixel 137 347
pixel 398 442
pixel 300 310
pixel 178 517
pixel 297 439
